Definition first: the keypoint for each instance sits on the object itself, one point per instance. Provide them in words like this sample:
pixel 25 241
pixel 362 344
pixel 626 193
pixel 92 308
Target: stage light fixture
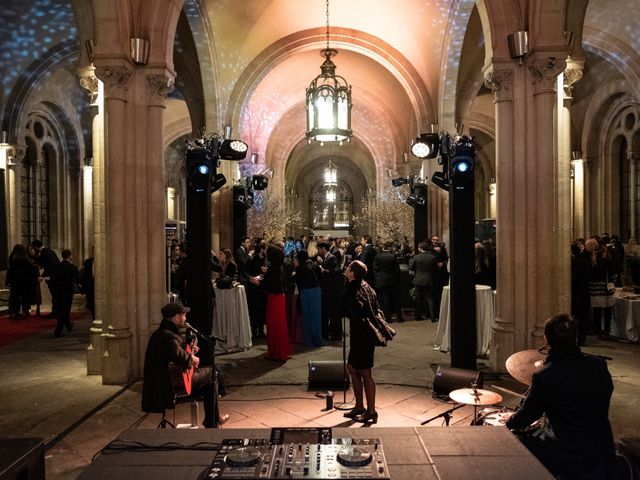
pixel 217 182
pixel 426 145
pixel 199 164
pixel 259 182
pixel 233 150
pixel 242 197
pixel 439 179
pixel 418 195
pixel 398 182
pixel 461 164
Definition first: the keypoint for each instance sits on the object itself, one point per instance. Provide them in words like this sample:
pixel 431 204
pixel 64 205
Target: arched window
pixel 329 214
pixel 35 182
pixel 625 190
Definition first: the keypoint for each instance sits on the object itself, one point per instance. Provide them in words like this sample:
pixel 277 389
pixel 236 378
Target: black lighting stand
pixel 446 415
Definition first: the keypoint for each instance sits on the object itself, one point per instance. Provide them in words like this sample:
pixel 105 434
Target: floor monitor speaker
pixel 327 374
pixel 448 379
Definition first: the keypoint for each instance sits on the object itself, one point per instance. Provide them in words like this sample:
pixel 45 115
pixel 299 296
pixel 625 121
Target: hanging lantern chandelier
pixel 328 102
pixel 330 175
pixel 330 194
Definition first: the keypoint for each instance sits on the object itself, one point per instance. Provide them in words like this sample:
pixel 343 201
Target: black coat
pixel 66 278
pixel 387 269
pixel 425 267
pixel 331 278
pixel 165 345
pixel 574 391
pixel 49 261
pixel 367 256
pixel 243 258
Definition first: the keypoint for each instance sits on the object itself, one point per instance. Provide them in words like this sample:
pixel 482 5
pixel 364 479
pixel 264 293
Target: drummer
pixel 573 390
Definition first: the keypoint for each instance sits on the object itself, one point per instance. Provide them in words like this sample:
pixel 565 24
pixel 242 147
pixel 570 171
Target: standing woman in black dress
pixel 359 302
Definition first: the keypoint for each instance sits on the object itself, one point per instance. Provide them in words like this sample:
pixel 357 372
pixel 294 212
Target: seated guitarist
pixel 165 346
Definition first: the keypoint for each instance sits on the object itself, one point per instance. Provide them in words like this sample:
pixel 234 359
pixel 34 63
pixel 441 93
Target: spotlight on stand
pixel 259 182
pixel 217 182
pixel 398 182
pixel 418 195
pixel 426 145
pixel 233 149
pixel 462 163
pixel 199 165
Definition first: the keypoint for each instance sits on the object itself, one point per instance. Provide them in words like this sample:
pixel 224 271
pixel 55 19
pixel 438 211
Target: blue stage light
pixel 203 169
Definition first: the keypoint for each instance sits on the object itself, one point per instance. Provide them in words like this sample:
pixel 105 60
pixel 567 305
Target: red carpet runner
pixel 13 329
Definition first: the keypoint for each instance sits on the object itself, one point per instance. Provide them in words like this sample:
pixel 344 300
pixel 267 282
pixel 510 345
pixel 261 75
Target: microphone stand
pixel 211 339
pixel 343 405
pixel 446 415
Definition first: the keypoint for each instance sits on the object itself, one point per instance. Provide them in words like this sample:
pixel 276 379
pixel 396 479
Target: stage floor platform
pixel 419 453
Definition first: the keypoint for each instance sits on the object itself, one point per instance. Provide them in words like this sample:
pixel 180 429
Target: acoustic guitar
pixel 181 377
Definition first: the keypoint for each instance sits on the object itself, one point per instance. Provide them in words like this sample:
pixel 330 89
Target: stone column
pixel 564 88
pixel 119 248
pixel 95 239
pixel 500 79
pixel 158 85
pixel 542 196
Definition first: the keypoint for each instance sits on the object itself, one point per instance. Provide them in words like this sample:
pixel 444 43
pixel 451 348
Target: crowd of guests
pixel 29 266
pixel 596 271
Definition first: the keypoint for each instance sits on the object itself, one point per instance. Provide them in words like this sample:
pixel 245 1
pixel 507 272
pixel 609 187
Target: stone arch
pixel 64 52
pixel 342 38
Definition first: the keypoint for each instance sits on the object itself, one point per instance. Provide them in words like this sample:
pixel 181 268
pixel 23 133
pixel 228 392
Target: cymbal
pixel 522 365
pixel 478 397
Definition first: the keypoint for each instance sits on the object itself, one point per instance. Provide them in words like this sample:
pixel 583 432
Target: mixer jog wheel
pixel 352 456
pixel 243 457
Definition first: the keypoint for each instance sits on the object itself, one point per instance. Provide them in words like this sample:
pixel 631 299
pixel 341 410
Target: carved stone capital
pixel 500 82
pixel 115 77
pixel 159 85
pixel 544 72
pixel 90 83
pixel 571 76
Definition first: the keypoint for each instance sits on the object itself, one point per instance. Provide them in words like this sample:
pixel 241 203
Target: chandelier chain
pixel 327 24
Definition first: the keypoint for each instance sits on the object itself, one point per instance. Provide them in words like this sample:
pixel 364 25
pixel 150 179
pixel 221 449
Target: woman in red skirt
pixel 278 343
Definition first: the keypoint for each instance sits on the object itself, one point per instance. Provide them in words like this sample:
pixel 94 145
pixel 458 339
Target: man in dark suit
pixel 442 273
pixel 368 254
pixel 387 278
pixel 573 390
pixel 165 346
pixel 331 282
pixel 67 280
pixel 48 261
pixel 424 266
pixel 243 257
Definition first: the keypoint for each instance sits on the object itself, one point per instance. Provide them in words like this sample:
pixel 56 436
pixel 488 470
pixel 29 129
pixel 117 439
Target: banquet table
pixel 626 317
pixel 485 313
pixel 231 323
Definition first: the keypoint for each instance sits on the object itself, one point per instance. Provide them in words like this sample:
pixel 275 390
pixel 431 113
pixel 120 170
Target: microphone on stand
pixel 186 324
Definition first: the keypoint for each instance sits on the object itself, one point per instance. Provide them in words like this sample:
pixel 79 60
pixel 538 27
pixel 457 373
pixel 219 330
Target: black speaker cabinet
pixel 327 374
pixel 448 379
pixel 22 459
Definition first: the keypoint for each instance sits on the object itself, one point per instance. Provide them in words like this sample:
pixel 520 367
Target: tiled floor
pixel 46 392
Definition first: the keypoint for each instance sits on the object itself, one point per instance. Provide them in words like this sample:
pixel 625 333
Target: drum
pixel 499 416
pixel 494 416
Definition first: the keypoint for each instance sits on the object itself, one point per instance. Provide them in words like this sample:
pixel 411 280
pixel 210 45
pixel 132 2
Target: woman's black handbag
pixel 381 331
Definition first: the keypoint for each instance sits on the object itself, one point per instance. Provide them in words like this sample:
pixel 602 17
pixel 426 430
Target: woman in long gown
pixel 310 300
pixel 278 342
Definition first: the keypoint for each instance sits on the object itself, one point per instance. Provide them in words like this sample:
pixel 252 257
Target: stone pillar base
pixel 502 345
pixel 95 349
pixel 116 358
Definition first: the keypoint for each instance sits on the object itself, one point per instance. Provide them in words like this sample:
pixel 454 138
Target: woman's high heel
pixel 355 412
pixel 367 417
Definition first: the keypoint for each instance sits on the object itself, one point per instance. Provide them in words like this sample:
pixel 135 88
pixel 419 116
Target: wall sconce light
pixel 576 156
pixel 254 158
pixel 518 45
pixel 140 50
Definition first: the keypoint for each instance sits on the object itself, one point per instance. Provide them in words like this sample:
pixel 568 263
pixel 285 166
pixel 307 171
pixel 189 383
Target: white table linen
pixel 231 323
pixel 485 314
